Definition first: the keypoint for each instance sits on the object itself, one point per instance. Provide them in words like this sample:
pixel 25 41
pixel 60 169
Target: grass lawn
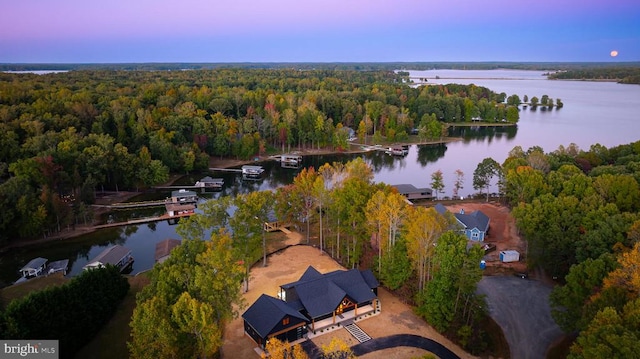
pixel 111 341
pixel 7 294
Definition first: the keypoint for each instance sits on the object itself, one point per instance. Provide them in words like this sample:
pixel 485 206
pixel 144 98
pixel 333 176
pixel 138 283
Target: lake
pixel 593 112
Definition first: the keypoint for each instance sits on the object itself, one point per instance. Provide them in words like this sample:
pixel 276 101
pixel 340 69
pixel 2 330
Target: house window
pixel 285 321
pixel 475 235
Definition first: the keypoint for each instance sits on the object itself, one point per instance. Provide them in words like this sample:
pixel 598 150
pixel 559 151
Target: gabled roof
pixel 183 193
pixel 309 274
pixel 441 209
pixel 371 280
pixel 354 283
pixel 34 264
pixel 164 247
pixel 321 294
pixel 207 179
pixel 267 312
pixel 473 220
pixel 409 188
pixel 111 255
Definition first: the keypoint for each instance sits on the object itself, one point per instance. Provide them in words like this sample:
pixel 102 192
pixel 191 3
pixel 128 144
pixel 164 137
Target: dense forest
pixel 579 212
pixel 65 135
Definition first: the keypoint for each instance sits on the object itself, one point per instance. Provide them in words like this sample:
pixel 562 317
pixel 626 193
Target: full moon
pixel 614 53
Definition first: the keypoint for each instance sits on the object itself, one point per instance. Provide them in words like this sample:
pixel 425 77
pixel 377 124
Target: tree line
pixel 72 313
pixel 65 136
pixel 624 74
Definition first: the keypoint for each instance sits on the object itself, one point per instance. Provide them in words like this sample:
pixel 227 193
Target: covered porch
pixel 338 320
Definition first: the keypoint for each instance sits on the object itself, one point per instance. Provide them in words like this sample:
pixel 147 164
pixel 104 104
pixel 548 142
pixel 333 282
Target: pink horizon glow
pixel 331 30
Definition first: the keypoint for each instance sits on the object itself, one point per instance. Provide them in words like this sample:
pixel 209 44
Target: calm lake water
pixel 594 112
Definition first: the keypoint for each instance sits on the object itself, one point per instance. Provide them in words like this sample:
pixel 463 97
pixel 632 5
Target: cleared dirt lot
pixel 519 306
pixel 502 232
pixel 287 266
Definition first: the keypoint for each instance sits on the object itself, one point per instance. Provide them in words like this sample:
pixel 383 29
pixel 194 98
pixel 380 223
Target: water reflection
pixel 580 122
pixel 430 153
pixel 483 133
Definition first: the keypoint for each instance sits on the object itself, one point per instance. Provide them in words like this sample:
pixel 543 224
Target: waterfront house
pixel 180 209
pixel 474 225
pixel 252 172
pixel 397 151
pixel 34 268
pixel 183 196
pixel 210 183
pixel 412 193
pixel 290 161
pixel 117 255
pixel 312 303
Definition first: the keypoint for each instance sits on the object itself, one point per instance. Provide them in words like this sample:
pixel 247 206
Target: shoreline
pixel 110 197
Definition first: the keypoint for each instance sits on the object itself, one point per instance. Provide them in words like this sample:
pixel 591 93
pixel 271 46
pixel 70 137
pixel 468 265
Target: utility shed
pixel 509 256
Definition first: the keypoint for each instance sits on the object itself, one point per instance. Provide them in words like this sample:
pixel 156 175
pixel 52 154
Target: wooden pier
pixel 234 170
pixel 125 205
pixel 276 226
pixel 142 220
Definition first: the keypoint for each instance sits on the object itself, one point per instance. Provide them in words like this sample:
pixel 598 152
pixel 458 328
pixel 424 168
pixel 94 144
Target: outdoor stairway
pixel 357 333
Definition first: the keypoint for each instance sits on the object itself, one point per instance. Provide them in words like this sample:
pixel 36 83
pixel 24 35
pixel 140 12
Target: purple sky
pixel 93 31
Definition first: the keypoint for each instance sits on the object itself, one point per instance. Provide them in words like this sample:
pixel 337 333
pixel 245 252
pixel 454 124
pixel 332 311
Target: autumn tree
pixel 611 334
pixel 627 275
pixel 437 182
pixel 337 349
pixel 304 187
pixel 277 349
pixel 458 184
pixel 190 298
pixel 424 227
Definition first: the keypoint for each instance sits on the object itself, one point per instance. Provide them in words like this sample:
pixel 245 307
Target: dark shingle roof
pixel 476 219
pixel 111 255
pixel 371 280
pixel 163 248
pixel 322 294
pixel 267 312
pixel 441 209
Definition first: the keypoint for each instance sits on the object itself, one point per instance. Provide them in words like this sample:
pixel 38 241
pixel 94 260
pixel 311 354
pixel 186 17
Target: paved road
pixel 392 341
pixel 521 308
pixel 404 340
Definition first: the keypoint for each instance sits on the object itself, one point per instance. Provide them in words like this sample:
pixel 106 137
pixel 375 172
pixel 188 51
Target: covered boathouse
pixel 314 302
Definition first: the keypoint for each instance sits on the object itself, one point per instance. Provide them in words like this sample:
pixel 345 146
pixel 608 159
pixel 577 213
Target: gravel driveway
pixel 521 308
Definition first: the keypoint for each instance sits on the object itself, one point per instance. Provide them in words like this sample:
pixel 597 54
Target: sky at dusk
pixel 116 31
